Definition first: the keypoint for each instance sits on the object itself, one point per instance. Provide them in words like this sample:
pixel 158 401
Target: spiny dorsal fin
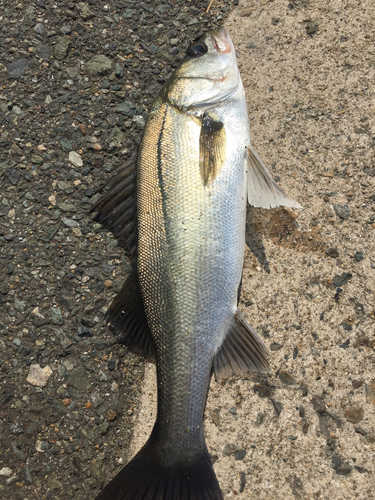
pixel 212 147
pixel 241 351
pixel 128 320
pixel 116 211
pixel 262 190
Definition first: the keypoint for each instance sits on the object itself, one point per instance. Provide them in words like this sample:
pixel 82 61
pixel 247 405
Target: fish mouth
pixel 221 41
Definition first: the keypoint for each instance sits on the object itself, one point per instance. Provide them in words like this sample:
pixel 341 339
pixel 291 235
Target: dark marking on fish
pixel 212 148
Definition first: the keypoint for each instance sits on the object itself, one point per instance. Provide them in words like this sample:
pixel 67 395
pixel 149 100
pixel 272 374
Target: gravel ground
pixel 77 79
pixel 69 113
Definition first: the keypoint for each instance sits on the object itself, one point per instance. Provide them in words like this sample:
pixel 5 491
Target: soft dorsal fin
pixel 128 320
pixel 241 351
pixel 262 190
pixel 116 211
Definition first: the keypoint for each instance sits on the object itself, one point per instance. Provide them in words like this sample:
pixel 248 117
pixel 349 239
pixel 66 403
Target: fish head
pixel 207 75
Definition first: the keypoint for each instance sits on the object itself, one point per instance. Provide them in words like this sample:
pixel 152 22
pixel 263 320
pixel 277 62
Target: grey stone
pixel 56 316
pixel 275 346
pixel 358 256
pixel 119 70
pixel 65 29
pixel 85 11
pixel 260 419
pixel 37 159
pixel 61 48
pixel 99 65
pixel 102 377
pixel 75 159
pixel 333 252
pixel 95 399
pixel 140 121
pixel 343 211
pixel 128 13
pixel 67 207
pixel 13 176
pixel 115 136
pixel 73 72
pixel 17 68
pixel 78 379
pixel 16 429
pixel 229 449
pixel 70 222
pixel 103 429
pixel 40 29
pixel 19 305
pixel 63 185
pixel 342 279
pixel 11 480
pixel 126 108
pixel 84 332
pixel 66 145
pixel 25 473
pixel 286 378
pixel 240 454
pixel 16 110
pixel 43 52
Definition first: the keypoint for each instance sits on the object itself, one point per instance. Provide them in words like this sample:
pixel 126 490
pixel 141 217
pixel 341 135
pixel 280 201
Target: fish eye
pixel 197 49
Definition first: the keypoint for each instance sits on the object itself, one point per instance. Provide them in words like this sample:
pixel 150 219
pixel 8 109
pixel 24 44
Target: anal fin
pixel 128 320
pixel 241 351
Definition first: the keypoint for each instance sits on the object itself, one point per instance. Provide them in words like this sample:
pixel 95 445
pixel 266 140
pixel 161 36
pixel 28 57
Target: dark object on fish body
pixel 189 183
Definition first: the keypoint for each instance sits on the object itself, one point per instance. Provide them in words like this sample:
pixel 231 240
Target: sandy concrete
pixel 308 428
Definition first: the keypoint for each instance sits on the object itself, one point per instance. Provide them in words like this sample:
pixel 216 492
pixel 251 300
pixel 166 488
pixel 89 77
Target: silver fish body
pixel 190 253
pixel 179 306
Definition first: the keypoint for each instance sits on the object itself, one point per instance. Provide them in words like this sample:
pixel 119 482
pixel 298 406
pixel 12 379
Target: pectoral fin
pixel 241 351
pixel 212 148
pixel 262 189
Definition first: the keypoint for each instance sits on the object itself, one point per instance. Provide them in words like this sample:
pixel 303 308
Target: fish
pixel 179 208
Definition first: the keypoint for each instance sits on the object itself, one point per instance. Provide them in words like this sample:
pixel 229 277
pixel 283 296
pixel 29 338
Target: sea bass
pixel 180 210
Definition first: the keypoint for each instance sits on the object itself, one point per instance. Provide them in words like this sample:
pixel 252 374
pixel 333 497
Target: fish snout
pixel 222 42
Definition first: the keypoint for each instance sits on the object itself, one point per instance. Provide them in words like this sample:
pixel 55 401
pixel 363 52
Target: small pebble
pixel 75 159
pixel 111 415
pixel 39 376
pixel 358 256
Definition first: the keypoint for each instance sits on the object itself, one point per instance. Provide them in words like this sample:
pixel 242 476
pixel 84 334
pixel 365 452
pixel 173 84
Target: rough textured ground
pixel 67 118
pixel 305 431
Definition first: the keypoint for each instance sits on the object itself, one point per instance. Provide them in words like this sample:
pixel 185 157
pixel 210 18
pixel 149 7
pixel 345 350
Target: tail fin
pixel 145 478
